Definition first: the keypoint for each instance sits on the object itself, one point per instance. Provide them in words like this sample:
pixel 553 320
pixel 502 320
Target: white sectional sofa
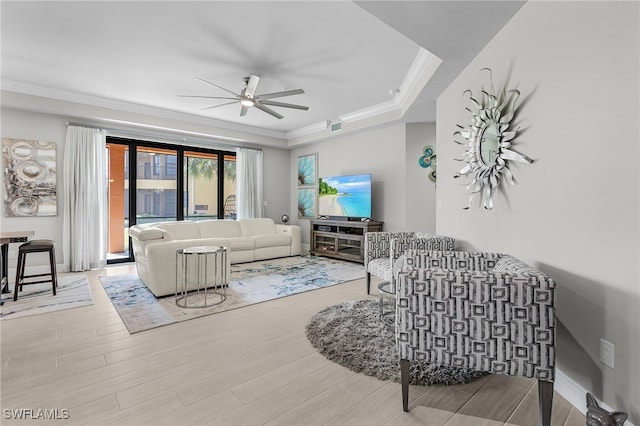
pixel 155 244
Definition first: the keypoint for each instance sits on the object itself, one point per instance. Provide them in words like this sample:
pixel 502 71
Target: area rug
pixel 249 283
pixel 352 335
pixel 73 291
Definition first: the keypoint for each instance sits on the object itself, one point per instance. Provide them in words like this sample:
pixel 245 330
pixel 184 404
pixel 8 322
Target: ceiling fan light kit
pixel 248 97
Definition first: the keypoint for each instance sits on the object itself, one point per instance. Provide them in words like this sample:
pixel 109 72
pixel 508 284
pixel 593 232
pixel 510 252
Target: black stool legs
pixel 35 246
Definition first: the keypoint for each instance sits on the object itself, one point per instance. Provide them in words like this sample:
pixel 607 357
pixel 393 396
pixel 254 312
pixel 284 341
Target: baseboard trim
pixel 29 270
pixel 576 394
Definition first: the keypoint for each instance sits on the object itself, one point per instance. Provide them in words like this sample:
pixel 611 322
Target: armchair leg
pixel 545 399
pixel 368 282
pixel 404 379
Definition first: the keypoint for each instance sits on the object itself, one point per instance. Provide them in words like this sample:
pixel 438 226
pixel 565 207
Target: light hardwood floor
pixel 247 366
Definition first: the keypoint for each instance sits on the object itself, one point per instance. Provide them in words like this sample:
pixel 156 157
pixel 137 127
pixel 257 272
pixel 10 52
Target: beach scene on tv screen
pixel 345 196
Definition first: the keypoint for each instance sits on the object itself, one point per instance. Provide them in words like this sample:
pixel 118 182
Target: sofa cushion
pixel 272 240
pixel 262 226
pixel 149 234
pixel 183 230
pixel 224 242
pixel 223 228
pixel 380 268
pixel 242 243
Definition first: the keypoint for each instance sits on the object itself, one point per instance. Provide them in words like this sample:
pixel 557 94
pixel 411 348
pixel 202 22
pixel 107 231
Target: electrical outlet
pixel 606 353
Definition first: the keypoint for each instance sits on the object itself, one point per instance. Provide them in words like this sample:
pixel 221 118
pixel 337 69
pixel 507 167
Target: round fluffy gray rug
pixel 352 335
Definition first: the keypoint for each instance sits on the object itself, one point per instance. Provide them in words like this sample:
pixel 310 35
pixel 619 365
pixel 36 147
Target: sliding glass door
pixel 209 185
pixel 156 185
pixel 118 201
pixel 150 182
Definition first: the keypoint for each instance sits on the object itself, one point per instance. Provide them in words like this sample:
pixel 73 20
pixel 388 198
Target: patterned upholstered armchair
pixel 381 249
pixel 484 311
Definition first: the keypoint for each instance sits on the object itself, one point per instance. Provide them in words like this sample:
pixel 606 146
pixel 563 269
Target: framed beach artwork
pixel 307 200
pixel 307 169
pixel 29 177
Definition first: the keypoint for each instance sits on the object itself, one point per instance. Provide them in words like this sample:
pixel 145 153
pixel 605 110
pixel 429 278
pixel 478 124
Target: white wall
pixel 421 191
pixel 574 213
pixel 380 152
pixel 276 183
pixel 403 196
pixel 25 124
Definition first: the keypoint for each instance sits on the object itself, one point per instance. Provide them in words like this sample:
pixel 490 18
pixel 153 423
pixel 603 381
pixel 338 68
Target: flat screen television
pixel 345 197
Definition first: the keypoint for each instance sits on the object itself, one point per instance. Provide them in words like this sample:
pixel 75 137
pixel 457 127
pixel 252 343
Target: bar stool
pixel 35 246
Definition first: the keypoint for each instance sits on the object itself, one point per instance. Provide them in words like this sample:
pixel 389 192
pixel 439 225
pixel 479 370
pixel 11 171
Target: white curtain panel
pixel 85 199
pixel 249 183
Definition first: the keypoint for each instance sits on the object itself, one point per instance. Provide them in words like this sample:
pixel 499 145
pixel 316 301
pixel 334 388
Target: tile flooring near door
pixel 247 366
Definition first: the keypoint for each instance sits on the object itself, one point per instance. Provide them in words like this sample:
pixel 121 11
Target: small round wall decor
pixel 489 140
pixel 427 160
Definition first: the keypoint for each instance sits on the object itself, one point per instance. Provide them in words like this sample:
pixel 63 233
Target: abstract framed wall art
pixel 29 177
pixel 307 202
pixel 307 169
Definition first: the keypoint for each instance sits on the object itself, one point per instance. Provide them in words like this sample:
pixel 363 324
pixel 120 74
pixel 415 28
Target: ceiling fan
pixel 248 97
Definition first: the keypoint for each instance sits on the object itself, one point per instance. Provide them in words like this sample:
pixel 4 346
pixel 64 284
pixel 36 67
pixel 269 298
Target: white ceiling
pixel 346 56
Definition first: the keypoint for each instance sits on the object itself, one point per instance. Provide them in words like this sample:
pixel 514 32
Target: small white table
pixel 201 274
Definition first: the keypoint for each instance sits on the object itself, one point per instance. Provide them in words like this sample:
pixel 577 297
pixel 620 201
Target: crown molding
pixel 62 95
pixel 422 69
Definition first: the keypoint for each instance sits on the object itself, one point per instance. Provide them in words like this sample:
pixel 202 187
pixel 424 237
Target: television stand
pixel 340 239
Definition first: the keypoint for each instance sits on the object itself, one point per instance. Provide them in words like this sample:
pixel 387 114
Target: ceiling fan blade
pixel 206 97
pixel 280 94
pixel 243 110
pixel 219 105
pixel 215 85
pixel 284 105
pixel 252 85
pixel 267 110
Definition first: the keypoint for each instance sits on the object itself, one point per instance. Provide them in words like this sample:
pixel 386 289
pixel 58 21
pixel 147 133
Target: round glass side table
pixel 387 291
pixel 201 276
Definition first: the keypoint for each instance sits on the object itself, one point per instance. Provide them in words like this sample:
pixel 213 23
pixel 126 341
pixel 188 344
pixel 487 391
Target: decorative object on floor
pixel 249 283
pixel 73 292
pixel 598 416
pixel 284 218
pixel 352 335
pixel 427 160
pixel 30 177
pixel 489 140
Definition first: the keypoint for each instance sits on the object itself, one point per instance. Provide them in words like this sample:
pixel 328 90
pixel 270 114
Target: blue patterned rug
pixel 73 291
pixel 250 283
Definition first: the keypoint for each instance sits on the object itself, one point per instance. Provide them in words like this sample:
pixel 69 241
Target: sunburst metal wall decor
pixel 489 142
